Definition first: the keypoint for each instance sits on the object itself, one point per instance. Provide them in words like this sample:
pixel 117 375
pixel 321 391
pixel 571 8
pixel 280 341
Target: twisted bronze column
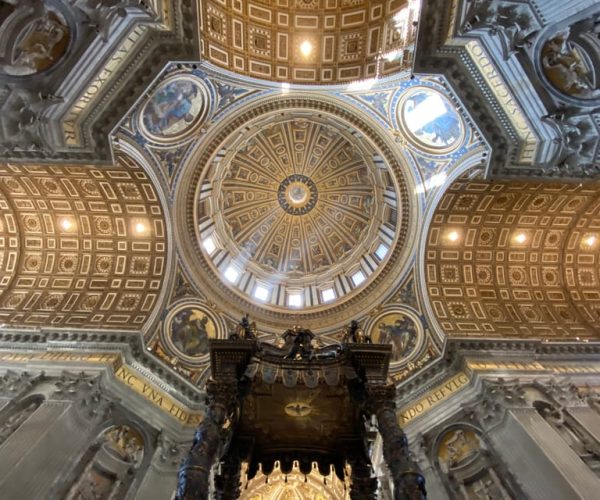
pixel 409 482
pixel 227 483
pixel 363 486
pixel 210 440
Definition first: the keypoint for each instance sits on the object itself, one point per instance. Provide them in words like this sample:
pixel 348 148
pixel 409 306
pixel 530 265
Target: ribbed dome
pixel 296 200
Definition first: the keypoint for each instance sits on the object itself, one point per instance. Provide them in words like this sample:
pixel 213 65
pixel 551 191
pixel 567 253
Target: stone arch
pixel 109 466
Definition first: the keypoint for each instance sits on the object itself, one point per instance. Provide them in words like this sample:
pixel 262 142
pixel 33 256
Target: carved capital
pixel 14 385
pixel 496 397
pixel 564 393
pixel 86 393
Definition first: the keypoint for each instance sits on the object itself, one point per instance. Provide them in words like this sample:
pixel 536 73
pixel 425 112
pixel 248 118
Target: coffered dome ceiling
pixel 299 211
pixel 298 205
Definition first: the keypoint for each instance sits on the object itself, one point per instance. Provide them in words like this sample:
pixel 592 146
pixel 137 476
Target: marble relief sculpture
pixel 566 66
pixel 36 45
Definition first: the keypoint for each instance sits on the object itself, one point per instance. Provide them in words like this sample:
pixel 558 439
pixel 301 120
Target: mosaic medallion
pixel 188 328
pixel 175 109
pixel 398 329
pixel 430 119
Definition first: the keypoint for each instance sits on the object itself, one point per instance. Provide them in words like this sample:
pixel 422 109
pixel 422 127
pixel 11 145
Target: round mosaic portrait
pixel 175 108
pixel 188 328
pixel 398 329
pixel 430 119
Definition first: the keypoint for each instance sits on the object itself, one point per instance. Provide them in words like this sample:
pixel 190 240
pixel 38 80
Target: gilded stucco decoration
pixel 347 39
pixel 515 259
pixel 82 246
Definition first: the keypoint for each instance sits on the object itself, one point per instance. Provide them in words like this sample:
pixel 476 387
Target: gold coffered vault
pixel 179 175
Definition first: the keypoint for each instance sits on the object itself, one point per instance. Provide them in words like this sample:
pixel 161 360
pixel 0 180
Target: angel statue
pixel 354 333
pixel 244 330
pixel 299 340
